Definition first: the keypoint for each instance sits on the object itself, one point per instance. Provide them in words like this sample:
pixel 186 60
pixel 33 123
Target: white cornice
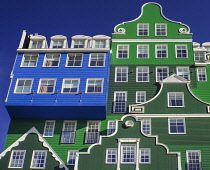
pixel 139 116
pixel 151 40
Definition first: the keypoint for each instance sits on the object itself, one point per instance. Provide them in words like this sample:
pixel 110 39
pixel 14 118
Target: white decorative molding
pixel 151 40
pixel 136 109
pixel 208 109
pixel 129 123
pixel 175 79
pixel 22 40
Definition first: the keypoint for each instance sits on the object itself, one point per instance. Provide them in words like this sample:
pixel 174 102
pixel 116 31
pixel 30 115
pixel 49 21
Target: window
pixel 96 60
pixel 70 85
pixel 176 125
pixel 142 51
pixel 120 101
pixel 37 44
pixel 68 133
pixel 161 29
pixel 94 85
pixel 193 160
pixel 128 153
pixel 74 60
pixel 121 74
pixel 140 96
pixel 46 86
pixel 111 155
pixel 23 86
pixel 100 43
pixel 175 99
pixel 143 30
pixel 181 51
pixel 49 128
pixel 29 60
pixel 200 56
pixel 111 127
pixel 183 72
pixel 161 51
pixel 122 51
pixel 51 60
pixel 79 43
pixel 17 159
pixel 142 74
pixel 161 73
pixel 146 126
pixel 57 44
pixel 71 157
pixel 144 156
pixel 39 159
pixel 92 132
pixel 201 74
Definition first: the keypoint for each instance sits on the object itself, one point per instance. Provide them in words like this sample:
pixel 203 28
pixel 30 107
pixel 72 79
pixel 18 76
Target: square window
pixel 100 43
pixel 160 30
pixel 161 73
pixel 146 126
pixel 193 160
pixel 23 86
pixel 71 157
pixel 17 159
pixel 175 99
pixel 70 86
pixel 92 132
pixel 46 86
pixel 143 29
pixel 181 51
pixel 122 51
pixel 128 153
pixel 94 85
pixel 96 60
pixel 142 74
pixel 111 155
pixel 74 60
pixel 120 102
pixel 176 125
pixel 39 159
pixel 37 44
pixel 111 127
pixel 79 43
pixel 51 60
pixel 142 51
pixel 201 72
pixel 49 128
pixel 144 156
pixel 200 56
pixel 183 72
pixel 121 74
pixel 29 60
pixel 68 132
pixel 57 44
pixel 140 96
pixel 161 51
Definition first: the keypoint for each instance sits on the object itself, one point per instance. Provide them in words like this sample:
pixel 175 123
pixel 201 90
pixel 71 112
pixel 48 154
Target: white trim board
pixel 152 40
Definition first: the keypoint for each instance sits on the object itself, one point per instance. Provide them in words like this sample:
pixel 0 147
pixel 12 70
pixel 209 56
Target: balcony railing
pixel 67 137
pixel 119 107
pixel 92 137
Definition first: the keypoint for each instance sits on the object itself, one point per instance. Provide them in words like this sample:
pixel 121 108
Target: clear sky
pixel 80 17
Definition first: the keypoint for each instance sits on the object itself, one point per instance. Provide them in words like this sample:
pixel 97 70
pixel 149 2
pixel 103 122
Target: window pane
pixel 143 51
pixel 39 159
pixel 96 60
pixel 74 60
pixel 122 51
pixel 143 29
pixel 94 85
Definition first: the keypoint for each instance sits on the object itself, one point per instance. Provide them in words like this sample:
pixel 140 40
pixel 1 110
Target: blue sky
pixel 80 17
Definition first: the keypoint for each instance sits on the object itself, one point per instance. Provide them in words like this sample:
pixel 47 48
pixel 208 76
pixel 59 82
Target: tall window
pixel 23 86
pixel 49 128
pixel 39 159
pixel 74 60
pixel 100 43
pixel 79 43
pixel 37 44
pixel 17 158
pixel 128 153
pixel 144 155
pixel 183 72
pixel 140 96
pixel 111 127
pixel 193 160
pixel 94 85
pixel 176 125
pixel 51 60
pixel 29 60
pixel 161 73
pixel 46 85
pixel 68 133
pixel 142 74
pixel 201 72
pixel 92 132
pixel 143 29
pixel 57 44
pixel 96 60
pixel 111 155
pixel 146 126
pixel 142 51
pixel 71 157
pixel 175 99
pixel 122 51
pixel 181 51
pixel 160 29
pixel 121 74
pixel 161 51
pixel 70 86
pixel 200 56
pixel 120 101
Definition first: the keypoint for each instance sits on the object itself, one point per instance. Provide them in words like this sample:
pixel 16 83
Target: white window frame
pixel 202 72
pixel 57 40
pixel 138 51
pixel 72 156
pixel 113 152
pixel 156 49
pixel 127 45
pixel 188 72
pixel 72 132
pixel 111 127
pixel 116 68
pixel 142 93
pixel 102 85
pixel 51 55
pixel 17 161
pixel 38 91
pixel 142 73
pixel 200 54
pixel 29 55
pixel 36 40
pixel 157 28
pixel 67 59
pixel 97 55
pixel 187 157
pixel 148 124
pixel 135 153
pixel 143 154
pixel 170 93
pixel 125 92
pixel 33 159
pixel 181 45
pixel 79 40
pixel 92 130
pixel 16 85
pixel 51 129
pixel 63 84
pixel 176 119
pixel 147 28
pixel 99 45
pixel 161 76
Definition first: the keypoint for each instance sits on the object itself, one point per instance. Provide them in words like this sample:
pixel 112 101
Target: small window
pixel 175 99
pixel 49 128
pixel 23 86
pixel 111 155
pixel 94 85
pixel 68 133
pixel 200 56
pixel 37 44
pixel 160 29
pixel 100 43
pixel 181 51
pixel 122 51
pixel 144 156
pixel 142 51
pixel 201 72
pixel 121 74
pixel 120 102
pixel 140 96
pixel 70 86
pixel 111 127
pixel 29 60
pixel 142 74
pixel 74 60
pixel 57 44
pixel 161 73
pixel 128 153
pixel 17 159
pixel 146 126
pixel 39 159
pixel 176 125
pixel 92 132
pixel 193 160
pixel 46 86
pixel 161 51
pixel 143 30
pixel 183 72
pixel 79 43
pixel 71 157
pixel 51 60
pixel 96 60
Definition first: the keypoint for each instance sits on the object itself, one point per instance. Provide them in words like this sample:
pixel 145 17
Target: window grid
pixel 193 160
pixel 49 128
pixel 183 72
pixel 29 60
pixel 23 86
pixel 122 51
pixel 68 133
pixel 17 159
pixel 146 126
pixel 128 153
pixel 51 60
pixel 177 125
pixel 143 51
pixel 70 86
pixel 39 159
pixel 71 157
pixel 181 51
pixel 100 43
pixel 144 155
pixel 120 99
pixel 111 127
pixel 58 44
pixel 161 51
pixel 111 155
pixel 142 74
pixel 96 60
pixel 161 73
pixel 200 56
pixel 94 86
pixel 46 86
pixel 140 96
pixel 79 43
pixel 74 60
pixel 121 74
pixel 161 30
pixel 143 29
pixel 36 44
pixel 175 99
pixel 92 132
pixel 201 74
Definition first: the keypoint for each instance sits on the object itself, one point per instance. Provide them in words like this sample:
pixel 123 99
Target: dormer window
pixel 100 43
pixel 58 44
pixel 79 43
pixel 58 41
pixel 37 42
pixel 160 30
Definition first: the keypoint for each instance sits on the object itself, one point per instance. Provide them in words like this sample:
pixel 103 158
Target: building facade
pixel 143 105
